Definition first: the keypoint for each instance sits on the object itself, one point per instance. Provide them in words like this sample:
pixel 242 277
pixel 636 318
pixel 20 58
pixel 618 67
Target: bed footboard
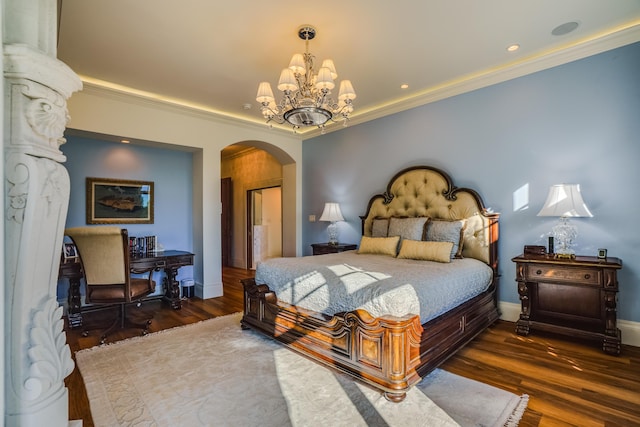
pixel 389 353
pixel 383 352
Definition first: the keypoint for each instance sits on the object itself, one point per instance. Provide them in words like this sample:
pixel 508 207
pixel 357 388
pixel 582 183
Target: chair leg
pixel 122 322
pixel 128 323
pixel 117 324
pixel 110 328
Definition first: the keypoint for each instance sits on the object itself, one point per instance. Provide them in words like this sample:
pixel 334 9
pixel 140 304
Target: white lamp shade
pixel 565 200
pixel 297 64
pixel 265 94
pixel 324 79
pixel 346 91
pixel 328 63
pixel 331 213
pixel 287 80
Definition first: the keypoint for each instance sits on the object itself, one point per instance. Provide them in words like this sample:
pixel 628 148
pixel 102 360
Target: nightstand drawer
pixel 584 276
pixel 326 248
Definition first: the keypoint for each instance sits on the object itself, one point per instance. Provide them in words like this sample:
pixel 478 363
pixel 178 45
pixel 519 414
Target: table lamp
pixel 332 214
pixel 565 201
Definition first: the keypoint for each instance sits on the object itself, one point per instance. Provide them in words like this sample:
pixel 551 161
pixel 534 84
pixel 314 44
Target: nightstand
pixel 576 297
pixel 326 248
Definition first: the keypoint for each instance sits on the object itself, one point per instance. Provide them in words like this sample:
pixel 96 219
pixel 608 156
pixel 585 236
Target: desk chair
pixel 104 253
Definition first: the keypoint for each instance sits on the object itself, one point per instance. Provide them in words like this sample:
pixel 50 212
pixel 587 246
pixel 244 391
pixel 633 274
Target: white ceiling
pixel 212 54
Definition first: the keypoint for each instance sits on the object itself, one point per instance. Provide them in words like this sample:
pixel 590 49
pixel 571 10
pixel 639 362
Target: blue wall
pixel 576 123
pixel 170 170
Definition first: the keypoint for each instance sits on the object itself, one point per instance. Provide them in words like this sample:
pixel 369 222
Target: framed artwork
pixel 119 201
pixel 69 251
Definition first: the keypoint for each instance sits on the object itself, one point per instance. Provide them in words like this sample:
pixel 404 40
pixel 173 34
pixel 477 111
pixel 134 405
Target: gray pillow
pixel 447 231
pixel 380 227
pixel 408 228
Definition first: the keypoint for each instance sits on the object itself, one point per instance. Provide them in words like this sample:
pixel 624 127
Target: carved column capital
pixel 36 89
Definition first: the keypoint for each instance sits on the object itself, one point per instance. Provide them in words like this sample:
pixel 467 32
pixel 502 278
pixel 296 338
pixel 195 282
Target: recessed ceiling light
pixel 404 86
pixel 565 28
pixel 513 47
pixel 125 141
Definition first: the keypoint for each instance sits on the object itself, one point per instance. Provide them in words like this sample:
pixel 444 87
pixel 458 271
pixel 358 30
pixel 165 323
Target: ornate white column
pixel 36 188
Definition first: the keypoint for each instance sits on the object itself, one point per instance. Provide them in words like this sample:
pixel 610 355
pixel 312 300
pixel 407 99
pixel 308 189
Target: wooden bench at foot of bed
pixel 389 353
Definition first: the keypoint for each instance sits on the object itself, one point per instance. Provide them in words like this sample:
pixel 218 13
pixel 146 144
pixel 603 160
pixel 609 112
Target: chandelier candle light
pixel 565 201
pixel 307 96
pixel 332 214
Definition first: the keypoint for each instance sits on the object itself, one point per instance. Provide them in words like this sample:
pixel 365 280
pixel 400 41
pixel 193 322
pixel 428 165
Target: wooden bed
pixel 387 352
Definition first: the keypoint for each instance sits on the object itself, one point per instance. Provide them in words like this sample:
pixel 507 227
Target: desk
pixel 169 261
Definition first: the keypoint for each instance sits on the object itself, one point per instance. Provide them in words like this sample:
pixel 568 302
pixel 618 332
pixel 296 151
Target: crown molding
pixel 131 96
pixel 612 39
pixel 538 62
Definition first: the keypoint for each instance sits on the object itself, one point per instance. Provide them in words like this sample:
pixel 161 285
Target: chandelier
pixel 307 97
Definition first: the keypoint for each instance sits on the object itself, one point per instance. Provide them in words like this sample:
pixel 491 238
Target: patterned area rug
pixel 213 373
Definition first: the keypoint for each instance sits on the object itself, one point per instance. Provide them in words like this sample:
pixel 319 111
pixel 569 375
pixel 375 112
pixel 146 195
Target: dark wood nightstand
pixel 576 297
pixel 326 248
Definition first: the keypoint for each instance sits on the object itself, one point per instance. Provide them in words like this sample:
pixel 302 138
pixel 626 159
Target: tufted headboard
pixel 423 191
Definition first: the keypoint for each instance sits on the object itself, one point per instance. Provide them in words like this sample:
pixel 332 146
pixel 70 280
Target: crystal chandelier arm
pixel 269 112
pixel 267 101
pixel 306 80
pixel 289 100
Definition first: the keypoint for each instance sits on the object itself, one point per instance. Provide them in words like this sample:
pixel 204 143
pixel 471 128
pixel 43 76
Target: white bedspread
pixel 380 284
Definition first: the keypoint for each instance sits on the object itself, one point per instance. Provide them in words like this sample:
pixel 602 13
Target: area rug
pixel 213 373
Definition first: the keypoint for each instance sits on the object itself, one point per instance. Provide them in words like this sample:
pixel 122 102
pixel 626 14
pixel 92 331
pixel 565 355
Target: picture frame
pixel 69 251
pixel 119 201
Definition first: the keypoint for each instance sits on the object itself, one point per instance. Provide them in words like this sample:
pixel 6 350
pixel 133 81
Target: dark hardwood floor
pixel 569 383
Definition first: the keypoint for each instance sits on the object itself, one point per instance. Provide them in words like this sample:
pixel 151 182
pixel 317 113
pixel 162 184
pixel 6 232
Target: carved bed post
pixel 36 187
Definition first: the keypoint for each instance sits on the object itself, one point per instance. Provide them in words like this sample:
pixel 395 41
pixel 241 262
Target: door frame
pixel 249 222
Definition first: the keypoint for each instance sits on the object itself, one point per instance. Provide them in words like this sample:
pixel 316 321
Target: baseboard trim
pixel 630 330
pixel 509 311
pixel 208 291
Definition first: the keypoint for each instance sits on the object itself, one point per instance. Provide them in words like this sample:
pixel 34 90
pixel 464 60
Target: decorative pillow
pixel 379 245
pixel 427 251
pixel 380 227
pixel 447 231
pixel 408 228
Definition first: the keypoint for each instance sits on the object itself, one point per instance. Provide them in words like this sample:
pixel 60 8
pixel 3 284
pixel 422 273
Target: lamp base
pixel 332 229
pixel 564 234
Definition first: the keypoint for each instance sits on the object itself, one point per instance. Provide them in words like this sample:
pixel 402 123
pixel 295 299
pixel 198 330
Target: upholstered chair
pixel 104 253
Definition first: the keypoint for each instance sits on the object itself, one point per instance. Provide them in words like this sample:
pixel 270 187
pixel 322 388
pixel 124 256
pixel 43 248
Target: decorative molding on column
pixel 37 88
pixel 37 358
pixel 49 353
